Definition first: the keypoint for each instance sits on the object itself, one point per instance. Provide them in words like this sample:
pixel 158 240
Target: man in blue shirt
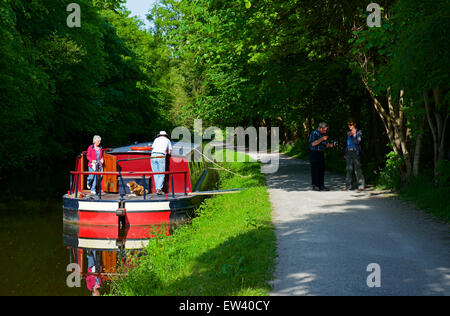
pixel 317 144
pixel 353 156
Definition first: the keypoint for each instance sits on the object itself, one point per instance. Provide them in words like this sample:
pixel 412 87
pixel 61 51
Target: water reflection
pixel 103 252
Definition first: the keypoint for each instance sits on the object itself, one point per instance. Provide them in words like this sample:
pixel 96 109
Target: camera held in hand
pixel 331 143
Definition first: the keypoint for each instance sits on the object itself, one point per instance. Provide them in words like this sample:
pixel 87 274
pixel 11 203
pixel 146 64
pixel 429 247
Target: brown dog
pixel 136 188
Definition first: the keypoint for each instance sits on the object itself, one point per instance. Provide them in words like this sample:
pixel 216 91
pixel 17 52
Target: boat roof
pixel 179 149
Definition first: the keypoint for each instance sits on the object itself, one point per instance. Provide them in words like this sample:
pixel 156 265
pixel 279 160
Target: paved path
pixel 326 240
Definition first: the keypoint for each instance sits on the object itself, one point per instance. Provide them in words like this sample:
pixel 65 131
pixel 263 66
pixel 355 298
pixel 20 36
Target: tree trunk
pixel 391 114
pixel 417 149
pixel 394 123
pixel 438 125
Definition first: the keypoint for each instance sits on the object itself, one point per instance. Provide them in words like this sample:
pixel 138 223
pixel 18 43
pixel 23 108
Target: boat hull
pixel 137 212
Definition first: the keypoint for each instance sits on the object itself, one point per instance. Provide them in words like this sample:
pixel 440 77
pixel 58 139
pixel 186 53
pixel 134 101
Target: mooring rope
pixel 220 167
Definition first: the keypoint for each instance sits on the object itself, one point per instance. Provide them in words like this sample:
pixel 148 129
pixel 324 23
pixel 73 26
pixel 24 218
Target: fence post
pixel 76 186
pixel 99 186
pixel 173 189
pixel 143 184
pixel 71 183
pixel 150 188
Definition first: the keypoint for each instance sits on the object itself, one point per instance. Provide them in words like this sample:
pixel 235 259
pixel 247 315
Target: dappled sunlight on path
pixel 326 240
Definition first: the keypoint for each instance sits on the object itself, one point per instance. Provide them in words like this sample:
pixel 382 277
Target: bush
pixel 390 177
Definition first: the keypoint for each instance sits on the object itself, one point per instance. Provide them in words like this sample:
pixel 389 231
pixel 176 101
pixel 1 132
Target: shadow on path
pixel 326 240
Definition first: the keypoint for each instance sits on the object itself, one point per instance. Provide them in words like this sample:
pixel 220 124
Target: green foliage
pixel 390 176
pixel 289 64
pixel 59 86
pixel 256 63
pixel 108 4
pixel 408 53
pixel 420 54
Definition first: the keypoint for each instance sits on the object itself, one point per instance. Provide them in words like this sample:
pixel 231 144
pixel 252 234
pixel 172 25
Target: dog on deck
pixel 136 189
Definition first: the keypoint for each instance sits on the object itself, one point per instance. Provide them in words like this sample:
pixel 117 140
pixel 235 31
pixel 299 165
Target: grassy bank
pixel 229 249
pixel 431 199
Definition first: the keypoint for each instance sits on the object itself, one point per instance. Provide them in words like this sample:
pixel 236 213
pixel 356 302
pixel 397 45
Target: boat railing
pixel 119 169
pixel 98 174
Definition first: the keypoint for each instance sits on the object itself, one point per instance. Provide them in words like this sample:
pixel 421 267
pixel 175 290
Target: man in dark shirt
pixel 317 144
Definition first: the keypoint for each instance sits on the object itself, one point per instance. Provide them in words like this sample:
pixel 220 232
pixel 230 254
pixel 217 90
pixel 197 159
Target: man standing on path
pixel 352 155
pixel 317 144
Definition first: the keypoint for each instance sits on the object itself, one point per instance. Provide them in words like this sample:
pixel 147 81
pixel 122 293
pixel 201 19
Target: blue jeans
pixel 92 180
pixel 158 165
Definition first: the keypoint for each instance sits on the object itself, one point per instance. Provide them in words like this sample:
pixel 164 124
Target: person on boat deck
pixel 95 163
pixel 161 147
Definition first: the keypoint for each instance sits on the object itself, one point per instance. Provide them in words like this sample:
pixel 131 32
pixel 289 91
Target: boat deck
pixel 86 195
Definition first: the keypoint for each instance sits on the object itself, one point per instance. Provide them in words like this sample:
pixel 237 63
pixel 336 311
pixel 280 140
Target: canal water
pixel 36 249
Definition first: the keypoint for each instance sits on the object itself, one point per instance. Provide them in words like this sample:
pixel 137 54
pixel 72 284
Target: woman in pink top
pixel 95 163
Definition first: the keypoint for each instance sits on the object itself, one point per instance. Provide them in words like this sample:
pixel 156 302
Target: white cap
pixel 163 133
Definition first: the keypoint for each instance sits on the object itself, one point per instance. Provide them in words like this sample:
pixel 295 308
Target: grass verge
pixel 229 249
pixel 431 199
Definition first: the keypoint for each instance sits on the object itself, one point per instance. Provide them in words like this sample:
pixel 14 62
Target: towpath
pixel 326 241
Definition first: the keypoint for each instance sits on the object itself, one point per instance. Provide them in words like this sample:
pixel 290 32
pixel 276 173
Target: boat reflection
pixel 104 252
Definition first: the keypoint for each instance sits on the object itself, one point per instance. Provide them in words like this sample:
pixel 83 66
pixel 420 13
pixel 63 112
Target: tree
pixel 59 85
pixel 421 62
pixel 407 56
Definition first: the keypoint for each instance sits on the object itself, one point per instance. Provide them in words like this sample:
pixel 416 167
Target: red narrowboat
pixel 116 205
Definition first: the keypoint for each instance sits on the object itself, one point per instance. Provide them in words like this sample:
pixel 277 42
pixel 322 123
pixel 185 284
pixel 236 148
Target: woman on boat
pixel 95 163
pixel 161 147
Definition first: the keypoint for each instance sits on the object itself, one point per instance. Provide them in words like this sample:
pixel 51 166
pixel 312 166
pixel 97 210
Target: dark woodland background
pixel 284 63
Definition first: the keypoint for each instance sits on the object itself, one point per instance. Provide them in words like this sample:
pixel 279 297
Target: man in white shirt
pixel 161 147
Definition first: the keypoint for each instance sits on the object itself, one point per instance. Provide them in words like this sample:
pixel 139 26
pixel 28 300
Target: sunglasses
pixel 350 124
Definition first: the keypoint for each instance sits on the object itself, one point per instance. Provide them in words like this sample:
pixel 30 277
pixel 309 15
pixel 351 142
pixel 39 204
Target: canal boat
pixel 116 205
